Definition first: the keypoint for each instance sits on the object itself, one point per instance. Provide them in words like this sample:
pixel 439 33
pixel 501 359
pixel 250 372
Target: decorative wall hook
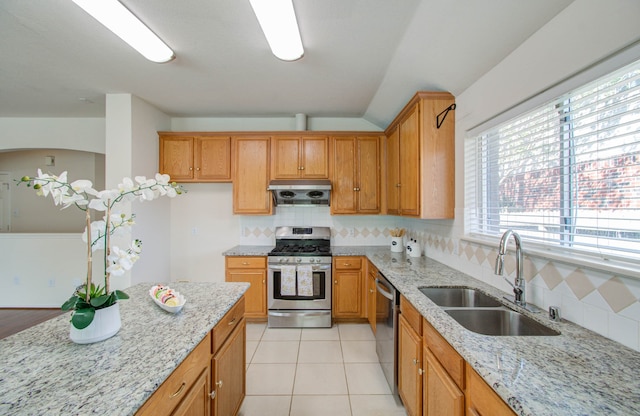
pixel 444 115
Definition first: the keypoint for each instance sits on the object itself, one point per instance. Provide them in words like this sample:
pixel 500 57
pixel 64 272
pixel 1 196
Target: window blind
pixel 566 174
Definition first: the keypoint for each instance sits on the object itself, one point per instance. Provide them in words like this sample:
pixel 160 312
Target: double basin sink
pixel 484 314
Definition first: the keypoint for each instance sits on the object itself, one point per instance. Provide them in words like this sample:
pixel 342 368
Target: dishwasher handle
pixel 382 290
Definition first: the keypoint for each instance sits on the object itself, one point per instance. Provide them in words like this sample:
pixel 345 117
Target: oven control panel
pixel 299 260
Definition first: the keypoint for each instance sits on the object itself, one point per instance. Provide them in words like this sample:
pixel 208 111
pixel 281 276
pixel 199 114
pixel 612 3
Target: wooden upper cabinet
pixel 251 175
pixel 190 158
pixel 296 157
pixel 393 172
pixel 355 175
pixel 424 158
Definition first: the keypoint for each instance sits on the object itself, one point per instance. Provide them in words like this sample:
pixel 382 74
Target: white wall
pixel 86 134
pixel 583 34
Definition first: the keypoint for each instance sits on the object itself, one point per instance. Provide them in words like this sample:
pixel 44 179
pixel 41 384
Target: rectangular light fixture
pixel 118 19
pixel 278 22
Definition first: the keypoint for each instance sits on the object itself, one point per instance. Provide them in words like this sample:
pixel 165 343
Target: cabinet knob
pixel 219 383
pixel 212 395
pixel 244 263
pixel 190 168
pixel 335 282
pixel 197 169
pixel 301 167
pixel 415 361
pixel 233 321
pixel 398 185
pixel 420 371
pixel 370 290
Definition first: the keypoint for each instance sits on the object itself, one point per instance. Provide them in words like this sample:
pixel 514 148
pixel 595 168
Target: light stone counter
pixel 44 373
pixel 576 373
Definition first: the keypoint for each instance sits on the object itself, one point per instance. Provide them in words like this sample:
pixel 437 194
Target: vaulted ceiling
pixel 363 58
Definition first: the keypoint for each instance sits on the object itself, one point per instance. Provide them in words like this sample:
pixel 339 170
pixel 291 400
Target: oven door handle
pixel 313 268
pixel 382 290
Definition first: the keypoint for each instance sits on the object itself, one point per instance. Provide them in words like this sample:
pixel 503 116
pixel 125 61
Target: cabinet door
pixel 409 367
pixel 372 273
pixel 176 157
pixel 343 187
pixel 213 159
pixel 251 176
pixel 285 155
pixel 228 367
pixel 393 172
pixel 314 157
pixel 410 164
pixel 441 395
pixel 256 295
pixel 347 292
pixel 197 401
pixel 368 175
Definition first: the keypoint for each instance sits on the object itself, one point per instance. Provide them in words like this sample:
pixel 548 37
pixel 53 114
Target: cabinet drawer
pixel 350 263
pixel 243 262
pixel 411 314
pixel 446 355
pixel 227 324
pixel 175 388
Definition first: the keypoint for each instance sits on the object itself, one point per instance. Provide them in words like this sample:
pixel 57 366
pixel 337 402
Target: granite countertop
pixel 576 373
pixel 44 373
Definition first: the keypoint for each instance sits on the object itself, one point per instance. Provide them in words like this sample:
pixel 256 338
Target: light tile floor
pixel 315 371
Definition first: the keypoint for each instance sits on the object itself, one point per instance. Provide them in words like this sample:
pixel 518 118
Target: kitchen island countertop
pixel 44 373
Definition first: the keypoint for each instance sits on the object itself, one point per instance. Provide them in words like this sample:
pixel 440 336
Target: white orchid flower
pixel 162 179
pixel 75 199
pixel 83 186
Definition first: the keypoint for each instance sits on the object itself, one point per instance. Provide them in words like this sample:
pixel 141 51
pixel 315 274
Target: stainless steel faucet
pixel 519 286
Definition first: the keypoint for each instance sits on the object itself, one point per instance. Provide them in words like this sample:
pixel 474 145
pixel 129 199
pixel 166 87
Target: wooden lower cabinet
pixel 211 380
pixel 181 389
pixel 347 287
pixel 229 375
pixel 409 367
pixel 254 271
pixel 371 292
pixel 441 395
pixel 482 400
pixel 196 402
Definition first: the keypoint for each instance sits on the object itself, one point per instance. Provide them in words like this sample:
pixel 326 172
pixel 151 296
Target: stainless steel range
pixel 299 278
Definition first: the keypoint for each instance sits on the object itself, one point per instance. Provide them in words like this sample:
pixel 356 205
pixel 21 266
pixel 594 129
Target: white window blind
pixel 566 174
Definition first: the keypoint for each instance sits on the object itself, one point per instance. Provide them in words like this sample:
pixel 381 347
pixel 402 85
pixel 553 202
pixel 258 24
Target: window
pixel 566 174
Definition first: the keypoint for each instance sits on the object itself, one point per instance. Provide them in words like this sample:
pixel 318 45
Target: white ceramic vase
pixel 106 323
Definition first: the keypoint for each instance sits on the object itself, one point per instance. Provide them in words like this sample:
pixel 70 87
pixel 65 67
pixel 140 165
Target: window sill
pixel 628 269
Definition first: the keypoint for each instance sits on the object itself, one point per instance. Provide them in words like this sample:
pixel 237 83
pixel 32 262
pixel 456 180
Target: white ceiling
pixel 363 58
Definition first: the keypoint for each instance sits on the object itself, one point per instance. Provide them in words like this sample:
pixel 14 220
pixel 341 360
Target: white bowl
pixel 171 309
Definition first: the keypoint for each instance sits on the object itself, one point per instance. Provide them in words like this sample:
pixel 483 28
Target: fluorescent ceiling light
pixel 278 22
pixel 123 23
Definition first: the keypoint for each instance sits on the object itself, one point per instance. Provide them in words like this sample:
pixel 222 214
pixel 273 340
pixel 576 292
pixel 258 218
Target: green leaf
pixel 82 318
pixel 99 301
pixel 70 303
pixel 119 294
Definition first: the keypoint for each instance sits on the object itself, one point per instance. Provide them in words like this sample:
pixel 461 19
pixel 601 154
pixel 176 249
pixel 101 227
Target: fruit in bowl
pixel 167 298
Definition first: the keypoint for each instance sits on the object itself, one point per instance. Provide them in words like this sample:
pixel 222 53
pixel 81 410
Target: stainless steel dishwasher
pixel 387 330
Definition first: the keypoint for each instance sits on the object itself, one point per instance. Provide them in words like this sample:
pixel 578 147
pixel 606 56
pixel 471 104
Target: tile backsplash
pixel 603 302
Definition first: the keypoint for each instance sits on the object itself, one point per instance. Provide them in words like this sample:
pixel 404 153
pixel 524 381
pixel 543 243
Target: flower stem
pixel 107 247
pixel 89 256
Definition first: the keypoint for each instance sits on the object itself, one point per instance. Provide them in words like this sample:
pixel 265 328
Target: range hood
pixel 301 192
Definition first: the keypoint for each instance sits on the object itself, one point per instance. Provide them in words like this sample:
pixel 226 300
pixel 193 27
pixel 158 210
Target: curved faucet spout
pixel 519 284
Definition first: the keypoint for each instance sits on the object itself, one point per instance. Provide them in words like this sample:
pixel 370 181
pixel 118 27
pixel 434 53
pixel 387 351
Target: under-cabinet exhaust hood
pixel 301 192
